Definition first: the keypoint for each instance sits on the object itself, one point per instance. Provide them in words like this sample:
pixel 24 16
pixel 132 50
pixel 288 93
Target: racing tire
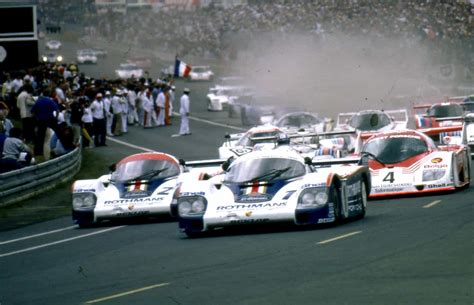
pixel 336 206
pixel 363 198
pixel 193 234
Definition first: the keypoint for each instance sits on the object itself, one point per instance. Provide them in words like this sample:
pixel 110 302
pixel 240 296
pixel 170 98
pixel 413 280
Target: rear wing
pixel 330 162
pixel 307 135
pixel 400 116
pixel 342 119
pixel 443 135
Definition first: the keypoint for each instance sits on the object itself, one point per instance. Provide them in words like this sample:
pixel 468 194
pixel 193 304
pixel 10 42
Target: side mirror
pixel 113 167
pixel 182 162
pixel 308 161
pixel 227 136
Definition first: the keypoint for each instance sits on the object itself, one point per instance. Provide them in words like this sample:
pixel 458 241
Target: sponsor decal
pixel 255 189
pixel 353 189
pixel 435 166
pixel 137 186
pixel 135 213
pixel 250 206
pixel 435 186
pixel 134 200
pixel 436 160
pixel 248 214
pixel 131 206
pixel 249 221
pixel 308 185
pixel 355 207
pixel 84 191
pixel 326 220
pixel 185 194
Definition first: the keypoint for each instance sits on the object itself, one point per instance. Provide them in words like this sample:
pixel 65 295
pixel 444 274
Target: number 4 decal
pixel 389 178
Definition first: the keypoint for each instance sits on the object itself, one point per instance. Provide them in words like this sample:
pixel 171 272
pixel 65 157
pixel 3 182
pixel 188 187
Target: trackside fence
pixel 30 181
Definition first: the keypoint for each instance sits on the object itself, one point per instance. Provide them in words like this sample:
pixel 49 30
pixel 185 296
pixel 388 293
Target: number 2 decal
pixel 165 191
pixel 389 178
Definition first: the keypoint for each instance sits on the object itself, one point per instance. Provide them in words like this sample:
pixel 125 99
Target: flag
pixel 181 69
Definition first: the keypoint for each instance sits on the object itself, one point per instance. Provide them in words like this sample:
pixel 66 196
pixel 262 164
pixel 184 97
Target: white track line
pixel 59 241
pixel 126 293
pixel 213 123
pixel 429 205
pixel 36 235
pixel 130 145
pixel 338 237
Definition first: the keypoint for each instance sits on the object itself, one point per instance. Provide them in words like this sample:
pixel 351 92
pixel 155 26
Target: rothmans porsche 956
pixel 274 186
pixel 143 185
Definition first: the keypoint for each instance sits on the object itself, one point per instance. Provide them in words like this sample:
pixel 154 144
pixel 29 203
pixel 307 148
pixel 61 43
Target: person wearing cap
pixel 108 112
pixel 124 106
pixel 172 98
pixel 117 113
pixel 99 120
pixel 184 113
pixel 160 106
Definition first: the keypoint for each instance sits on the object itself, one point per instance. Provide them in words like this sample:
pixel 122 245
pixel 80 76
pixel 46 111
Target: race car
pixel 438 115
pixel 52 58
pixel 372 120
pixel 468 132
pixel 220 96
pixel 86 56
pixel 141 62
pixel 294 122
pixel 126 71
pixel 201 73
pixel 242 143
pixel 139 185
pixel 274 186
pixel 404 162
pixel 53 44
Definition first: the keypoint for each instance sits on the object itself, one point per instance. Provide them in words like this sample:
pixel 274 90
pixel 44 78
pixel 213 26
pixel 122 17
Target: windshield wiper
pixel 270 175
pixel 149 174
pixel 371 155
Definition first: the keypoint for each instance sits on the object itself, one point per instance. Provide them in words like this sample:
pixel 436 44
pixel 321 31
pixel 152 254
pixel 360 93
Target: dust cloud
pixel 338 74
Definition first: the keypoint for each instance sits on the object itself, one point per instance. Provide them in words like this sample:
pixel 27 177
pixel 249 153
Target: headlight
pixel 433 174
pixel 59 58
pixel 312 198
pixel 84 200
pixel 45 59
pixel 191 206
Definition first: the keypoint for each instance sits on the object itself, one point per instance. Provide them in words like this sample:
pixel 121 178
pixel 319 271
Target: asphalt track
pixel 415 250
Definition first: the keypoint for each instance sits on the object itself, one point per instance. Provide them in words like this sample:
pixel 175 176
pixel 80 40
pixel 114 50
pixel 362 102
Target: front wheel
pixel 336 205
pixel 363 200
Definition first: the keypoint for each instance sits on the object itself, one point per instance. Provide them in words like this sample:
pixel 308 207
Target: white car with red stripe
pixel 139 185
pixel 409 162
pixel 274 186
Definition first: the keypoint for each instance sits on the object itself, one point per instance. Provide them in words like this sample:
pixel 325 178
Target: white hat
pixel 99 95
pixel 119 92
pixel 186 90
pixel 107 92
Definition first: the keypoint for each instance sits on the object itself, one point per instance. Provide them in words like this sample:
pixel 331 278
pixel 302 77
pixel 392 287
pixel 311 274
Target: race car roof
pixel 149 156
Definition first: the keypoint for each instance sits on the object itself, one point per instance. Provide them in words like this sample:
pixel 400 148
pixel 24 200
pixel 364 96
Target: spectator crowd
pixel 50 110
pixel 207 31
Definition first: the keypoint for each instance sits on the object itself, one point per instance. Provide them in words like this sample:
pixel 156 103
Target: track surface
pixel 406 251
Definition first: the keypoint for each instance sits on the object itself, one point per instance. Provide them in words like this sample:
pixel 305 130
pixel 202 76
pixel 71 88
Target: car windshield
pixel 128 67
pixel 199 69
pixel 468 106
pixel 369 121
pixel 395 149
pixel 145 170
pixel 446 111
pixel 252 139
pixel 264 169
pixel 298 121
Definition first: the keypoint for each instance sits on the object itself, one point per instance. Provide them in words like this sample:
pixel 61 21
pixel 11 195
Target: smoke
pixel 340 73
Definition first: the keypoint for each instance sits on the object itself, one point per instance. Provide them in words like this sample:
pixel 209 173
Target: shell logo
pixel 248 214
pixel 436 160
pixel 130 207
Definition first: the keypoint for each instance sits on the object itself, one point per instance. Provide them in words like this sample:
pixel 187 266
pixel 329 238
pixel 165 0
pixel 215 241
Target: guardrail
pixel 30 181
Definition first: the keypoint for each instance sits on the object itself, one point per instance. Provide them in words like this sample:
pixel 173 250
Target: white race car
pixel 295 122
pixel 406 162
pixel 242 143
pixel 140 185
pixel 201 73
pixel 53 44
pixel 86 56
pixel 126 71
pixel 274 186
pixel 468 132
pixel 220 96
pixel 52 58
pixel 373 120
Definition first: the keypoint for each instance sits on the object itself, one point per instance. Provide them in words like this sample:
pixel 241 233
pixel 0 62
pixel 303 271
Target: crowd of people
pixel 50 110
pixel 207 31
